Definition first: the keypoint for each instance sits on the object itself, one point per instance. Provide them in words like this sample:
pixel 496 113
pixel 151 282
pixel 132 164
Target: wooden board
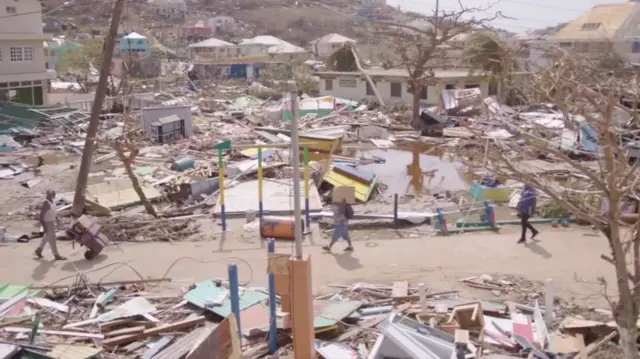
pixel 400 289
pixel 468 316
pixel 344 193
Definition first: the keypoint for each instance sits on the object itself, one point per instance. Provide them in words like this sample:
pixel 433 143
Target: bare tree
pixel 604 174
pixel 421 46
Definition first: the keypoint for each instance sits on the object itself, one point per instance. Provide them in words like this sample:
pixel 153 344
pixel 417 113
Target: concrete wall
pixel 358 92
pixel 35 65
pixel 29 20
pixel 151 114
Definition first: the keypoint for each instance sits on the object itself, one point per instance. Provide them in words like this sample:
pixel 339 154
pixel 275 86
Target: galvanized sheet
pixel 206 292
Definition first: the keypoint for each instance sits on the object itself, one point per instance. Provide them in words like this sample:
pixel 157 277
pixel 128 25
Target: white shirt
pixel 50 214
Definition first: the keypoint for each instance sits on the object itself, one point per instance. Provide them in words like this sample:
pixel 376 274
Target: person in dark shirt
pixel 526 208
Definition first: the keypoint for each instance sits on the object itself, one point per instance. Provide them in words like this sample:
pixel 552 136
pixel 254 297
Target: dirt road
pixel 569 256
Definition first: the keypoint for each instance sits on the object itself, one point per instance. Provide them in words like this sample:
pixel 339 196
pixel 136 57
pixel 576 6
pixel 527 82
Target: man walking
pixel 48 223
pixel 526 209
pixel 342 212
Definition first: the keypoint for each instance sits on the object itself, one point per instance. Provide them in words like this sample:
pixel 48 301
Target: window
pixel 52 52
pixel 0 55
pixel 11 10
pixel 565 44
pixel 396 89
pixel 369 89
pixel 636 47
pixel 582 47
pixel 348 82
pixel 589 26
pixel 471 86
pixel 140 42
pixel 450 87
pixel 328 84
pixel 15 53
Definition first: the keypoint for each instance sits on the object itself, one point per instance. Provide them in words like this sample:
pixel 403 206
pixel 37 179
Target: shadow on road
pixel 41 270
pixel 347 261
pixel 539 250
pixel 83 264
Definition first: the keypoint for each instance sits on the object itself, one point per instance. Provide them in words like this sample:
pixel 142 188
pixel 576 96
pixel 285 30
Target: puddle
pixel 415 169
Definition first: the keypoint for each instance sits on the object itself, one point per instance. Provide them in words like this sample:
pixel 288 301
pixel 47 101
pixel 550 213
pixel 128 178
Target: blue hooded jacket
pixel 528 199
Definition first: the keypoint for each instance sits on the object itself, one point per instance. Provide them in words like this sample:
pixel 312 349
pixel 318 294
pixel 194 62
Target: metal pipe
pixel 295 158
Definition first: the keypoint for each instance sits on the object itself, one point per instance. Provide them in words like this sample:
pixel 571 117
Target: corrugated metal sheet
pixel 328 313
pixel 8 350
pixel 183 345
pixel 207 292
pixel 8 291
pixel 72 352
pixel 363 190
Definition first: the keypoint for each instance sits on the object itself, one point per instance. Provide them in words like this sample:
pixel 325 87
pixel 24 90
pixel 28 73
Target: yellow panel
pixel 495 194
pixel 250 152
pixel 337 179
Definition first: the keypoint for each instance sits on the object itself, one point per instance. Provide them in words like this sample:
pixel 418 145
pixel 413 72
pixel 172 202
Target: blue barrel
pixel 183 164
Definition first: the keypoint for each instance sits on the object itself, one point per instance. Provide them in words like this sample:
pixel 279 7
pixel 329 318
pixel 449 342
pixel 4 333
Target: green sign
pixel 222 146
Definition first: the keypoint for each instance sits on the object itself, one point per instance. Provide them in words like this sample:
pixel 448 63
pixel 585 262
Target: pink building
pixel 197 31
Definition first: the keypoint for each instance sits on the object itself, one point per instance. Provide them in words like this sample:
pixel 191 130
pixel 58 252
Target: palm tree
pixel 485 52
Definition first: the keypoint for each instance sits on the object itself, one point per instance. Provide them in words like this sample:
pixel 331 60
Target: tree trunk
pixel 134 181
pixel 415 111
pixel 626 313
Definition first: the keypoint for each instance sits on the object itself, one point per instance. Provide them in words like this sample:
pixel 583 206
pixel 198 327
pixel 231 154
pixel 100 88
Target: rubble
pixel 136 319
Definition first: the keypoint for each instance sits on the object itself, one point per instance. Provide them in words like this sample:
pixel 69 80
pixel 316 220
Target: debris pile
pixel 134 319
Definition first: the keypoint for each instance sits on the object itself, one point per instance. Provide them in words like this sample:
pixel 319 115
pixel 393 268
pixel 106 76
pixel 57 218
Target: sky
pixel 526 14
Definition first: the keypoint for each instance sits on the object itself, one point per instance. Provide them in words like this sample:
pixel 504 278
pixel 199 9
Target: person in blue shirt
pixel 526 208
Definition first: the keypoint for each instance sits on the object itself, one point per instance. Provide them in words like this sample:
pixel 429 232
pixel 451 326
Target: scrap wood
pixel 593 347
pixel 17 321
pixel 106 284
pixel 107 326
pixel 125 331
pixel 167 328
pixel 468 316
pixel 55 332
pixel 400 289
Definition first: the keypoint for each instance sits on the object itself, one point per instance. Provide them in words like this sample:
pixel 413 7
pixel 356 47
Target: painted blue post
pixel 234 294
pixel 273 329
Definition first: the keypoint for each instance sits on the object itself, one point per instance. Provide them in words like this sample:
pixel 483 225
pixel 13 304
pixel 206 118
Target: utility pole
pixel 90 141
pixel 295 158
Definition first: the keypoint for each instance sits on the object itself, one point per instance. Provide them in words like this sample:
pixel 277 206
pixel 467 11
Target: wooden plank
pixel 400 289
pixel 107 326
pixel 167 328
pixel 125 331
pixel 55 332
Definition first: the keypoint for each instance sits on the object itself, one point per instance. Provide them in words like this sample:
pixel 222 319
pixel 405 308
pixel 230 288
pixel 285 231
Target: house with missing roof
pixel 601 28
pixel 327 45
pixel 393 85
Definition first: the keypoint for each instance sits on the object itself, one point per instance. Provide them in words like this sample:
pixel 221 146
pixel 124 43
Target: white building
pixel 328 44
pixel 213 49
pixel 603 26
pixel 393 86
pixel 169 9
pixel 222 23
pixel 374 2
pixel 23 75
pixel 265 45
